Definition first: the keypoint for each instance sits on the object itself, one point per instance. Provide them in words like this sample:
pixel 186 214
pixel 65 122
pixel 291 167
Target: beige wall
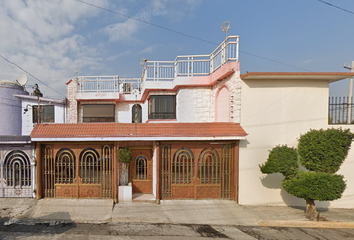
pixel 276 112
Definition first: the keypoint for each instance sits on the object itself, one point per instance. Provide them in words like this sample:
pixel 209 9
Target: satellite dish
pixel 22 80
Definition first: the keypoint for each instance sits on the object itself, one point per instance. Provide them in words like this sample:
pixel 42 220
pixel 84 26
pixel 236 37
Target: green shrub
pixel 124 155
pixel 315 185
pixel 281 159
pixel 324 150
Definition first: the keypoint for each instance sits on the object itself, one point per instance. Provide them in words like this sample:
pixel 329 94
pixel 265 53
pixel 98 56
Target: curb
pixel 305 224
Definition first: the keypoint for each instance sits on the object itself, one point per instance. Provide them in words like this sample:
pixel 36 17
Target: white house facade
pixel 197 129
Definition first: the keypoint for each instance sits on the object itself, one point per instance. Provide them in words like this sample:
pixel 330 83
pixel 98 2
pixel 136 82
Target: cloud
pixel 122 31
pixel 126 30
pixel 41 37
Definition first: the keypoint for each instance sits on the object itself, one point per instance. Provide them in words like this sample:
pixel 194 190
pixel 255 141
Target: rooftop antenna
pixel 225 26
pixel 143 63
pixel 76 69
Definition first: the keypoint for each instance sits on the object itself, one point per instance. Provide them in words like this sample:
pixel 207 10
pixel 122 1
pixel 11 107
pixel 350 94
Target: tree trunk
pixel 124 174
pixel 311 212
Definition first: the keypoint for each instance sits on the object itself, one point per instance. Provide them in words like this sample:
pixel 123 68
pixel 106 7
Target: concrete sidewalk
pixel 213 212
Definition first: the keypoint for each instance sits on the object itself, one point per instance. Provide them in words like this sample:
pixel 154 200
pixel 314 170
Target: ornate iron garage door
pixel 16 175
pixel 79 173
pixel 196 171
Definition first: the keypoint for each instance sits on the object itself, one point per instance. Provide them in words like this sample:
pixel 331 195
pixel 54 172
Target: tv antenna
pixel 76 70
pixel 225 26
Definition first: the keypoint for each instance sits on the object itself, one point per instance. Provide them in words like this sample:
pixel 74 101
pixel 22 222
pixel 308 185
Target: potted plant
pixel 124 156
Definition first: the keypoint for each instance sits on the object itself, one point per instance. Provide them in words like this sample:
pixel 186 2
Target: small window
pixel 141 168
pixel 46 112
pixel 98 113
pixel 136 114
pixel 162 107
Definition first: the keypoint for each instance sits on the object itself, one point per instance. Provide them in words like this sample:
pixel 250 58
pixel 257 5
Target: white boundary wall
pixel 276 112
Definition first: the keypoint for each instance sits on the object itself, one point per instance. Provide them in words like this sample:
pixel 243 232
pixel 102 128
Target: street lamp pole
pixel 350 95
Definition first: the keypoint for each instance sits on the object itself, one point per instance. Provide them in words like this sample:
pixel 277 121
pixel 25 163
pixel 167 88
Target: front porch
pixel 180 169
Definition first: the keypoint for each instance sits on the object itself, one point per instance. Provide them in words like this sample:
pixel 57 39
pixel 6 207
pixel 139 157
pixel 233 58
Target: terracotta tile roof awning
pixel 324 76
pixel 137 131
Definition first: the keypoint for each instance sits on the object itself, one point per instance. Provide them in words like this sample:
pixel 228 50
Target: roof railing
pixel 182 66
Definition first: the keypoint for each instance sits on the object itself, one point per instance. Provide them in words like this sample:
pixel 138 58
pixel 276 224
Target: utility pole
pixel 350 95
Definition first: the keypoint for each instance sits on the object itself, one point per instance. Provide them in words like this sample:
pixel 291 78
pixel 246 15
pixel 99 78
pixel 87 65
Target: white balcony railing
pixel 107 84
pixel 193 65
pixel 185 66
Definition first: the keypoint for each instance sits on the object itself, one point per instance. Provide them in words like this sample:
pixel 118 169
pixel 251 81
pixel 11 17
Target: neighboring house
pixel 17 164
pixel 52 110
pixel 183 121
pixel 276 109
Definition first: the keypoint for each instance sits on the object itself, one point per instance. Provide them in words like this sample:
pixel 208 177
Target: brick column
pixel 71 107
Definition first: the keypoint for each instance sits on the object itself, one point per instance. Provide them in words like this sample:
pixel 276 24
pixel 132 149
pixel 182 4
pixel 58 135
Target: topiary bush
pixel 324 150
pixel 321 152
pixel 281 159
pixel 315 185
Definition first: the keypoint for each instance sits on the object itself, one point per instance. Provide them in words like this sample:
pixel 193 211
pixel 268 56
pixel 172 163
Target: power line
pixel 186 35
pixel 335 6
pixel 13 63
pixel 149 23
pixel 271 60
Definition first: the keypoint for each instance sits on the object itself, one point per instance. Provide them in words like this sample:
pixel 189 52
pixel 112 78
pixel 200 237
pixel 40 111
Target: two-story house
pixel 197 128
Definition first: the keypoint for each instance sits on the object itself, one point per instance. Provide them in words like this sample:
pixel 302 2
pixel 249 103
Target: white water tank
pixel 10 108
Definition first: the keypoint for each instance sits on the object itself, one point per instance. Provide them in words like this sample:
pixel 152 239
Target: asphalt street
pixel 146 231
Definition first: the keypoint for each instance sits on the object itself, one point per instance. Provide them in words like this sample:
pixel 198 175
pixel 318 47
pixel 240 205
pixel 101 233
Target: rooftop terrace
pixel 162 74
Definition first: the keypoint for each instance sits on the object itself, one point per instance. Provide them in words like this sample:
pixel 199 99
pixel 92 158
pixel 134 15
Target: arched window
pixel 223 105
pixel 136 114
pixel 141 168
pixel 90 166
pixel 65 166
pixel 17 169
pixel 209 166
pixel 183 166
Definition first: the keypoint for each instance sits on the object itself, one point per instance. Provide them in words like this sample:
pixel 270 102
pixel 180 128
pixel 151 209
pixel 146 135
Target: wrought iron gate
pixel 196 172
pixel 16 179
pixel 87 176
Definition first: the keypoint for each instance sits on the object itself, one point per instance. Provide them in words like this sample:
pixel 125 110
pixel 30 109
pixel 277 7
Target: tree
pixel 124 156
pixel 321 153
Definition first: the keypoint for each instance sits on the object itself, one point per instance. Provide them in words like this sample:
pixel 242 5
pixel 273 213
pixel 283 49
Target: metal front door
pixel 16 175
pixel 141 171
pixel 196 171
pixel 78 172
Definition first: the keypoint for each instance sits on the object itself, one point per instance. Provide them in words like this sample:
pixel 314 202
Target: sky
pixel 47 40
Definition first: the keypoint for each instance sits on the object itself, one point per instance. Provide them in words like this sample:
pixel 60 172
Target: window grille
pixel 49 172
pixel 162 107
pixel 106 171
pixel 65 166
pixel 209 167
pixel 90 166
pixel 141 168
pixel 46 113
pixel 226 166
pixel 165 171
pixel 183 166
pixel 17 169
